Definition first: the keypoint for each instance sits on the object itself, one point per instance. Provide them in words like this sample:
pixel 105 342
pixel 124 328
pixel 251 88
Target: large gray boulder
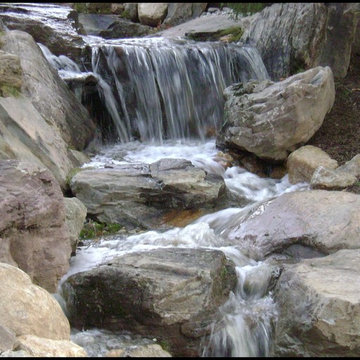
pixel 272 119
pixel 48 93
pixel 141 194
pixel 32 223
pixel 324 221
pixel 172 294
pixel 319 307
pixel 295 36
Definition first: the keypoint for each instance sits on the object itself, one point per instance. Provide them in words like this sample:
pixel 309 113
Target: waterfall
pixel 166 89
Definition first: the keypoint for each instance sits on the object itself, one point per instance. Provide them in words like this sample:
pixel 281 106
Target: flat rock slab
pixel 204 24
pixel 141 194
pixel 319 307
pixel 325 221
pixel 172 294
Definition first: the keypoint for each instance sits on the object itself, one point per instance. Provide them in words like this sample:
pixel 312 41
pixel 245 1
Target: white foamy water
pixel 244 324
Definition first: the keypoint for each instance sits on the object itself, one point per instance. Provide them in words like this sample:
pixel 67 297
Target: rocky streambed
pixel 248 251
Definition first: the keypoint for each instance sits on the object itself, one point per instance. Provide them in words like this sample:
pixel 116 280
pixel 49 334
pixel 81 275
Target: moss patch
pixel 232 34
pixel 8 90
pixel 93 229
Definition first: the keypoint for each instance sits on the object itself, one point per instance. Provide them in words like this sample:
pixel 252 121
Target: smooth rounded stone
pixel 171 294
pixel 142 195
pixel 272 119
pixel 152 14
pixel 302 163
pixel 288 41
pixel 325 221
pixel 352 166
pixel 50 96
pixel 327 179
pixel 152 350
pixel 7 338
pixel 26 308
pixel 75 217
pixel 32 221
pixel 319 307
pixel 41 347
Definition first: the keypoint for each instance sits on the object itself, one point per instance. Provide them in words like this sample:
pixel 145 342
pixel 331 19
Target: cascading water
pixel 169 95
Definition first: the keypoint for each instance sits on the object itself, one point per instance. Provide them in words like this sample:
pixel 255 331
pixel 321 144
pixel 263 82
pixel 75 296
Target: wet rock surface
pixel 139 195
pixel 325 221
pixel 271 119
pixel 319 302
pixel 172 294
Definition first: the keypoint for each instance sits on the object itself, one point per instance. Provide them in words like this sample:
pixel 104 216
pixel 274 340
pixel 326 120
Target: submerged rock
pixel 171 294
pixel 325 221
pixel 141 194
pixel 319 307
pixel 271 119
pixel 32 223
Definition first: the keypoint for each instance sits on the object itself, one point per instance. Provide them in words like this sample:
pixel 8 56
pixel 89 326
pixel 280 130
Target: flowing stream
pixel 163 98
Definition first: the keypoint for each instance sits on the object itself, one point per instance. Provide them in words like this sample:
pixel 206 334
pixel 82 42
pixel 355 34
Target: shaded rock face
pixel 48 93
pixel 111 26
pixel 32 223
pixel 271 119
pixel 54 26
pixel 152 350
pixel 180 12
pixel 294 36
pixel 139 195
pixel 302 163
pixel 319 303
pixel 75 217
pixel 29 309
pixel 325 221
pixel 172 294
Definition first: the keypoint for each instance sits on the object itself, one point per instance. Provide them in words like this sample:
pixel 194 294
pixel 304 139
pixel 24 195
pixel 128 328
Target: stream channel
pixel 163 98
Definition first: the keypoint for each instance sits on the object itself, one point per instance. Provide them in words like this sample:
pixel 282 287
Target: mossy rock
pixel 232 34
pixel 93 229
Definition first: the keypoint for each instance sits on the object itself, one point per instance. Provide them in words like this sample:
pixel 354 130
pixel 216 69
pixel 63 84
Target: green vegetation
pixel 245 8
pixel 93 229
pixel 235 33
pixel 71 174
pixel 165 345
pixel 8 90
pixel 81 8
pixel 126 15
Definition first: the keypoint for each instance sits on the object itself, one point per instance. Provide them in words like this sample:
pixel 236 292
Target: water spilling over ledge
pixel 155 89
